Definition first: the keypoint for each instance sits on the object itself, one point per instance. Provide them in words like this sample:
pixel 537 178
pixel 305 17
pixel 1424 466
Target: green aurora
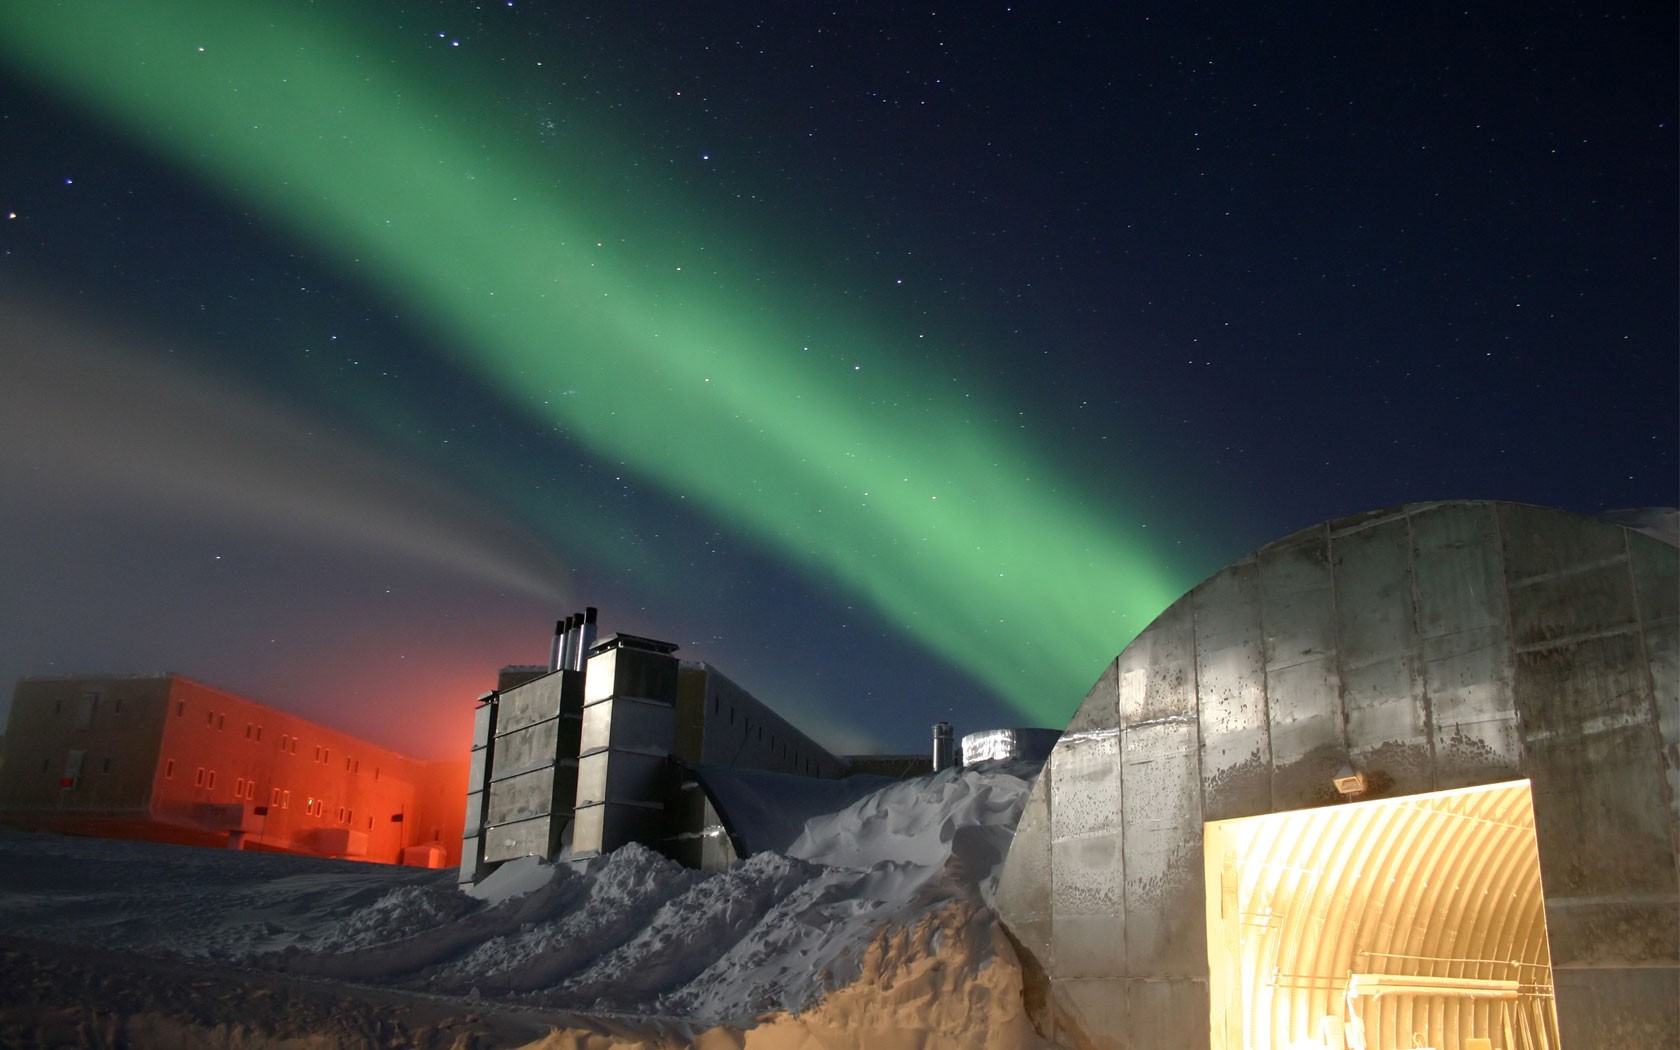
pixel 615 317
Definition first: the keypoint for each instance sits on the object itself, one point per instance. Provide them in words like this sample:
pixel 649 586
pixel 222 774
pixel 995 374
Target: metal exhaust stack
pixel 556 647
pixel 586 637
pixel 568 656
pixel 944 754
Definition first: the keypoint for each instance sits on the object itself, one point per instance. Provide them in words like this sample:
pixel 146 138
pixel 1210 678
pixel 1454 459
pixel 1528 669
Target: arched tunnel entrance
pixel 1381 925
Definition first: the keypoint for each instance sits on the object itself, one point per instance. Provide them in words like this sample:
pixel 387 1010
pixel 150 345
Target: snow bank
pixel 873 921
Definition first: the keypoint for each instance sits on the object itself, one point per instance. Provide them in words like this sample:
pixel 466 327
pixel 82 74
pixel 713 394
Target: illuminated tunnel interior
pixel 1396 923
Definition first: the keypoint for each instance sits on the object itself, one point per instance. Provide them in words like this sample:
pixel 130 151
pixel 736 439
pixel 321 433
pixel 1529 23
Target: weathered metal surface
pixel 530 794
pixel 535 701
pixel 631 672
pixel 1234 731
pixel 1431 647
pixel 526 749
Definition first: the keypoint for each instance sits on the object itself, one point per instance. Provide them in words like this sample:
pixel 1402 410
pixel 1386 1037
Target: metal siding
pixel 1231 690
pixel 526 749
pixel 529 703
pixel 1297 610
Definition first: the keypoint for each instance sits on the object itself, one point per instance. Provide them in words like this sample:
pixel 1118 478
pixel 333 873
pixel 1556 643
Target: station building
pixel 166 758
pixel 1404 779
pixel 619 740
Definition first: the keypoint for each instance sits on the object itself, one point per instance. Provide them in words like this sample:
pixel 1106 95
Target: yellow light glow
pixel 1394 923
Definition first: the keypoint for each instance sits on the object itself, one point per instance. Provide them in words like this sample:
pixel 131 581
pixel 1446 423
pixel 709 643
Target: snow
pixel 849 936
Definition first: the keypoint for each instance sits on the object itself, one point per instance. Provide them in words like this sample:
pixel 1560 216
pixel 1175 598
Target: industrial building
pixel 165 758
pixel 619 741
pixel 1403 779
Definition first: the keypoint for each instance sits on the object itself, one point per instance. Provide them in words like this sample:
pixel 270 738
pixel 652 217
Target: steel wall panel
pixel 1024 884
pixel 1470 678
pixel 1088 927
pixel 1085 792
pixel 1459 570
pixel 528 838
pixel 1098 1008
pixel 642 724
pixel 1297 612
pixel 1231 689
pixel 596 731
pixel 1101 707
pixel 526 749
pixel 1162 862
pixel 1088 924
pixel 1656 571
pixel 484 722
pixel 523 705
pixel 522 797
pixel 1386 716
pixel 1168 1015
pixel 474 822
pixel 592 778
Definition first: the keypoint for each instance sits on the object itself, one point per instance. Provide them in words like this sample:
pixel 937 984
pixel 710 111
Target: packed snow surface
pixel 630 933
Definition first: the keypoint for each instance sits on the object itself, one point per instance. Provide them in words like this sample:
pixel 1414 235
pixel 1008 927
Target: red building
pixel 165 758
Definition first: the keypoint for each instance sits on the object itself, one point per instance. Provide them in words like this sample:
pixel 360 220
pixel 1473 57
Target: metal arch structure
pixel 1356 742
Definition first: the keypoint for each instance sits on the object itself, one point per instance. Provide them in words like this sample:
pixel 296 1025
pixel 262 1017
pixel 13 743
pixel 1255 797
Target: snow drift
pixel 871 929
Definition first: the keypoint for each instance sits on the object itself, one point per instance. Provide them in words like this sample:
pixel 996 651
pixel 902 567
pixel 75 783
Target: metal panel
pixel 1470 678
pixel 1085 793
pixel 1088 921
pixel 535 701
pixel 528 795
pixel 526 749
pixel 1097 1010
pixel 1100 708
pixel 1297 611
pixel 1231 692
pixel 1167 1015
pixel 1023 891
pixel 631 672
pixel 484 722
pixel 1386 716
pixel 1656 573
pixel 642 724
pixel 527 838
pixel 592 778
pixel 1162 864
pixel 1459 570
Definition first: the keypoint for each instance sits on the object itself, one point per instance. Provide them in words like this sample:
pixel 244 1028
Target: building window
pixel 169 770
pixel 209 718
pixel 248 728
pixel 326 753
pixel 259 734
pixel 198 778
pixel 347 765
pixel 221 722
pixel 376 772
pixel 238 787
pixel 285 800
pixel 46 765
pixel 180 708
pixel 251 790
pixel 105 766
pixel 274 799
pixel 210 781
pixel 116 705
pixel 357 768
pixel 370 823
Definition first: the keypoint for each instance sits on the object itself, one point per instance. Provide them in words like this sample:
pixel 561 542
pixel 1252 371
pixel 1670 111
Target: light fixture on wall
pixel 1348 782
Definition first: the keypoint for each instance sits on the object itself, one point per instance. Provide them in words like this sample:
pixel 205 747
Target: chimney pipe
pixel 586 638
pixel 568 656
pixel 555 647
pixel 944 754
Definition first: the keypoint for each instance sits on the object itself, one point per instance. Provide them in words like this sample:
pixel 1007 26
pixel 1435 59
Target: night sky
pixel 902 362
